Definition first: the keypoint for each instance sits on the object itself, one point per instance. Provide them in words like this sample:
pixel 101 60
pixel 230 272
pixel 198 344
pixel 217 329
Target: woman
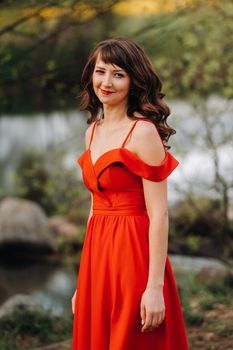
pixel 126 296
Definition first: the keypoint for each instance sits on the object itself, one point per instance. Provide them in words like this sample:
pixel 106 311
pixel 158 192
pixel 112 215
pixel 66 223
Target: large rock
pixel 24 223
pixel 22 301
pixel 65 229
pixel 212 275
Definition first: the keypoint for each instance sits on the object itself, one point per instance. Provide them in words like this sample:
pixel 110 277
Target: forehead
pixel 99 62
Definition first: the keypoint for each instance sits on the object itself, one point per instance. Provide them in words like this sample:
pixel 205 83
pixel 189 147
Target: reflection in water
pixel 52 285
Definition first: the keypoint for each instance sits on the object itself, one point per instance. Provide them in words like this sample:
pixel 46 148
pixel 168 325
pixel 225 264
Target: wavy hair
pixel 145 91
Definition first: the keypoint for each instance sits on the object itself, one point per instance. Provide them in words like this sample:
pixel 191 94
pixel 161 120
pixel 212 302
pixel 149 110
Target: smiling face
pixel 111 83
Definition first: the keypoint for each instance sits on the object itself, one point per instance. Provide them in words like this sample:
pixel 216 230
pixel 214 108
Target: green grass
pixel 26 329
pixel 197 296
pixel 224 330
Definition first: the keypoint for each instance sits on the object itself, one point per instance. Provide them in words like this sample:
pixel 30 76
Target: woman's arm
pixel 156 202
pixel 87 141
pixel 149 148
pixel 91 209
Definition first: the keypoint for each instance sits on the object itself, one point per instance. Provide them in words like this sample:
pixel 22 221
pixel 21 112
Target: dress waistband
pixel 119 211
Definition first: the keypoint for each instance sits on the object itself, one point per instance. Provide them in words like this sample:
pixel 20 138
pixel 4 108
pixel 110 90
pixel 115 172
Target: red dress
pixel 114 263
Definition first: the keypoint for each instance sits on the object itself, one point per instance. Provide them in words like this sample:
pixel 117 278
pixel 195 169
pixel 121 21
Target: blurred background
pixel 44 204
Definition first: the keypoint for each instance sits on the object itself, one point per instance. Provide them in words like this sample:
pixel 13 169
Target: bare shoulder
pixel 146 128
pixel 147 143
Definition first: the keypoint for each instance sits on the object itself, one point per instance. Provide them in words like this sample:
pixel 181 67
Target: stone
pixel 211 275
pixel 24 222
pixel 61 227
pixel 23 301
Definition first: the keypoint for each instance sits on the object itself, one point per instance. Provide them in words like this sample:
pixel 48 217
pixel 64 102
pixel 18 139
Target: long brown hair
pixel 145 92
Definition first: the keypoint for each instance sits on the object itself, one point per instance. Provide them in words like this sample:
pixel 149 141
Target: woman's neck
pixel 114 114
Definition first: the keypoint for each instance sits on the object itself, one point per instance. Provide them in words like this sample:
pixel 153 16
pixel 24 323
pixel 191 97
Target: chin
pixel 107 103
pixel 107 100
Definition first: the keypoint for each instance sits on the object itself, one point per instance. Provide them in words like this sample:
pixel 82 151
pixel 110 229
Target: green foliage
pixel 193 243
pixel 220 288
pixel 32 179
pixel 197 227
pixel 209 301
pixel 191 52
pixel 193 318
pixel 190 317
pixel 199 218
pixel 26 329
pixel 197 296
pixel 29 67
pixel 225 330
pixel 54 188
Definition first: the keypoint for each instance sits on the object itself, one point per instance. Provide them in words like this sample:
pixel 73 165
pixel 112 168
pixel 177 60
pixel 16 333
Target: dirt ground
pixel 216 332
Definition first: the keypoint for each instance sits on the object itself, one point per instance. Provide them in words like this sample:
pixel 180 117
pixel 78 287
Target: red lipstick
pixel 106 92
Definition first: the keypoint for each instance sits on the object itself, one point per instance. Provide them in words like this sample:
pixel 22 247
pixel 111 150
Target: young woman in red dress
pixel 126 296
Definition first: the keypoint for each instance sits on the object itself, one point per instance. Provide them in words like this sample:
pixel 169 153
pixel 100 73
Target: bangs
pixel 112 54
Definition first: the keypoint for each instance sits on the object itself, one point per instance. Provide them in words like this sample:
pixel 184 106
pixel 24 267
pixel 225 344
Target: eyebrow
pixel 115 70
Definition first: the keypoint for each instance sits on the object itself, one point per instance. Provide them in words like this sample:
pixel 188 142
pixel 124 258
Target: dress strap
pixel 133 128
pixel 127 136
pixel 92 133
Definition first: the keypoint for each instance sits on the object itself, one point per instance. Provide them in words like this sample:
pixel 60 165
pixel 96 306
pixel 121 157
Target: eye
pixel 99 71
pixel 119 75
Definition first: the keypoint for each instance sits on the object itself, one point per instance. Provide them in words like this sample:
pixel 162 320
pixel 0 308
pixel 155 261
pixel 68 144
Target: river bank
pixel 206 299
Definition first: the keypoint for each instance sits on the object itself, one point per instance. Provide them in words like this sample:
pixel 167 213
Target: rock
pixel 211 275
pixel 63 228
pixel 19 301
pixel 23 222
pixel 195 263
pixel 65 345
pixel 210 336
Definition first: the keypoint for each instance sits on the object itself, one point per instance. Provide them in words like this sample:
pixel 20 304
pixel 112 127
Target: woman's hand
pixel 152 308
pixel 73 301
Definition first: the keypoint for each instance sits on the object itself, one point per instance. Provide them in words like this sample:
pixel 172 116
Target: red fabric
pixel 114 262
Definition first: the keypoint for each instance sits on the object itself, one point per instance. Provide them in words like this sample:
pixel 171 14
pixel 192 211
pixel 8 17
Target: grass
pixel 207 309
pixel 26 329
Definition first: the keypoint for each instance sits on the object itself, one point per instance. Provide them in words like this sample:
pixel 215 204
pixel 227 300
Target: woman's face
pixel 111 83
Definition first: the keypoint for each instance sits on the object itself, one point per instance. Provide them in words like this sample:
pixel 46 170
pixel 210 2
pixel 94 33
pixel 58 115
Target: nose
pixel 107 81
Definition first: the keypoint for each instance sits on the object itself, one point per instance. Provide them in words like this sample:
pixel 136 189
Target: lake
pixel 53 284
pixel 190 145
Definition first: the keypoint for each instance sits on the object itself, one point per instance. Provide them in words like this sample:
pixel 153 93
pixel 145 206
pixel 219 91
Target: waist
pixel 119 211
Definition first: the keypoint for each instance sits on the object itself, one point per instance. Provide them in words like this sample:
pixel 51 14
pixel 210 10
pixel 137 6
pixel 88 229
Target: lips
pixel 106 92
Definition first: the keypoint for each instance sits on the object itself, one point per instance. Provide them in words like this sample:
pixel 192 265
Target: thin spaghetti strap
pixel 148 120
pixel 129 133
pixel 92 133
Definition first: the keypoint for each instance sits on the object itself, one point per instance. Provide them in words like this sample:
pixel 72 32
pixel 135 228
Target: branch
pixel 12 26
pixel 63 25
pixel 211 143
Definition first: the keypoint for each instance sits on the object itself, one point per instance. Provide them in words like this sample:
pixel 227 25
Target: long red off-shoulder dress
pixel 114 263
